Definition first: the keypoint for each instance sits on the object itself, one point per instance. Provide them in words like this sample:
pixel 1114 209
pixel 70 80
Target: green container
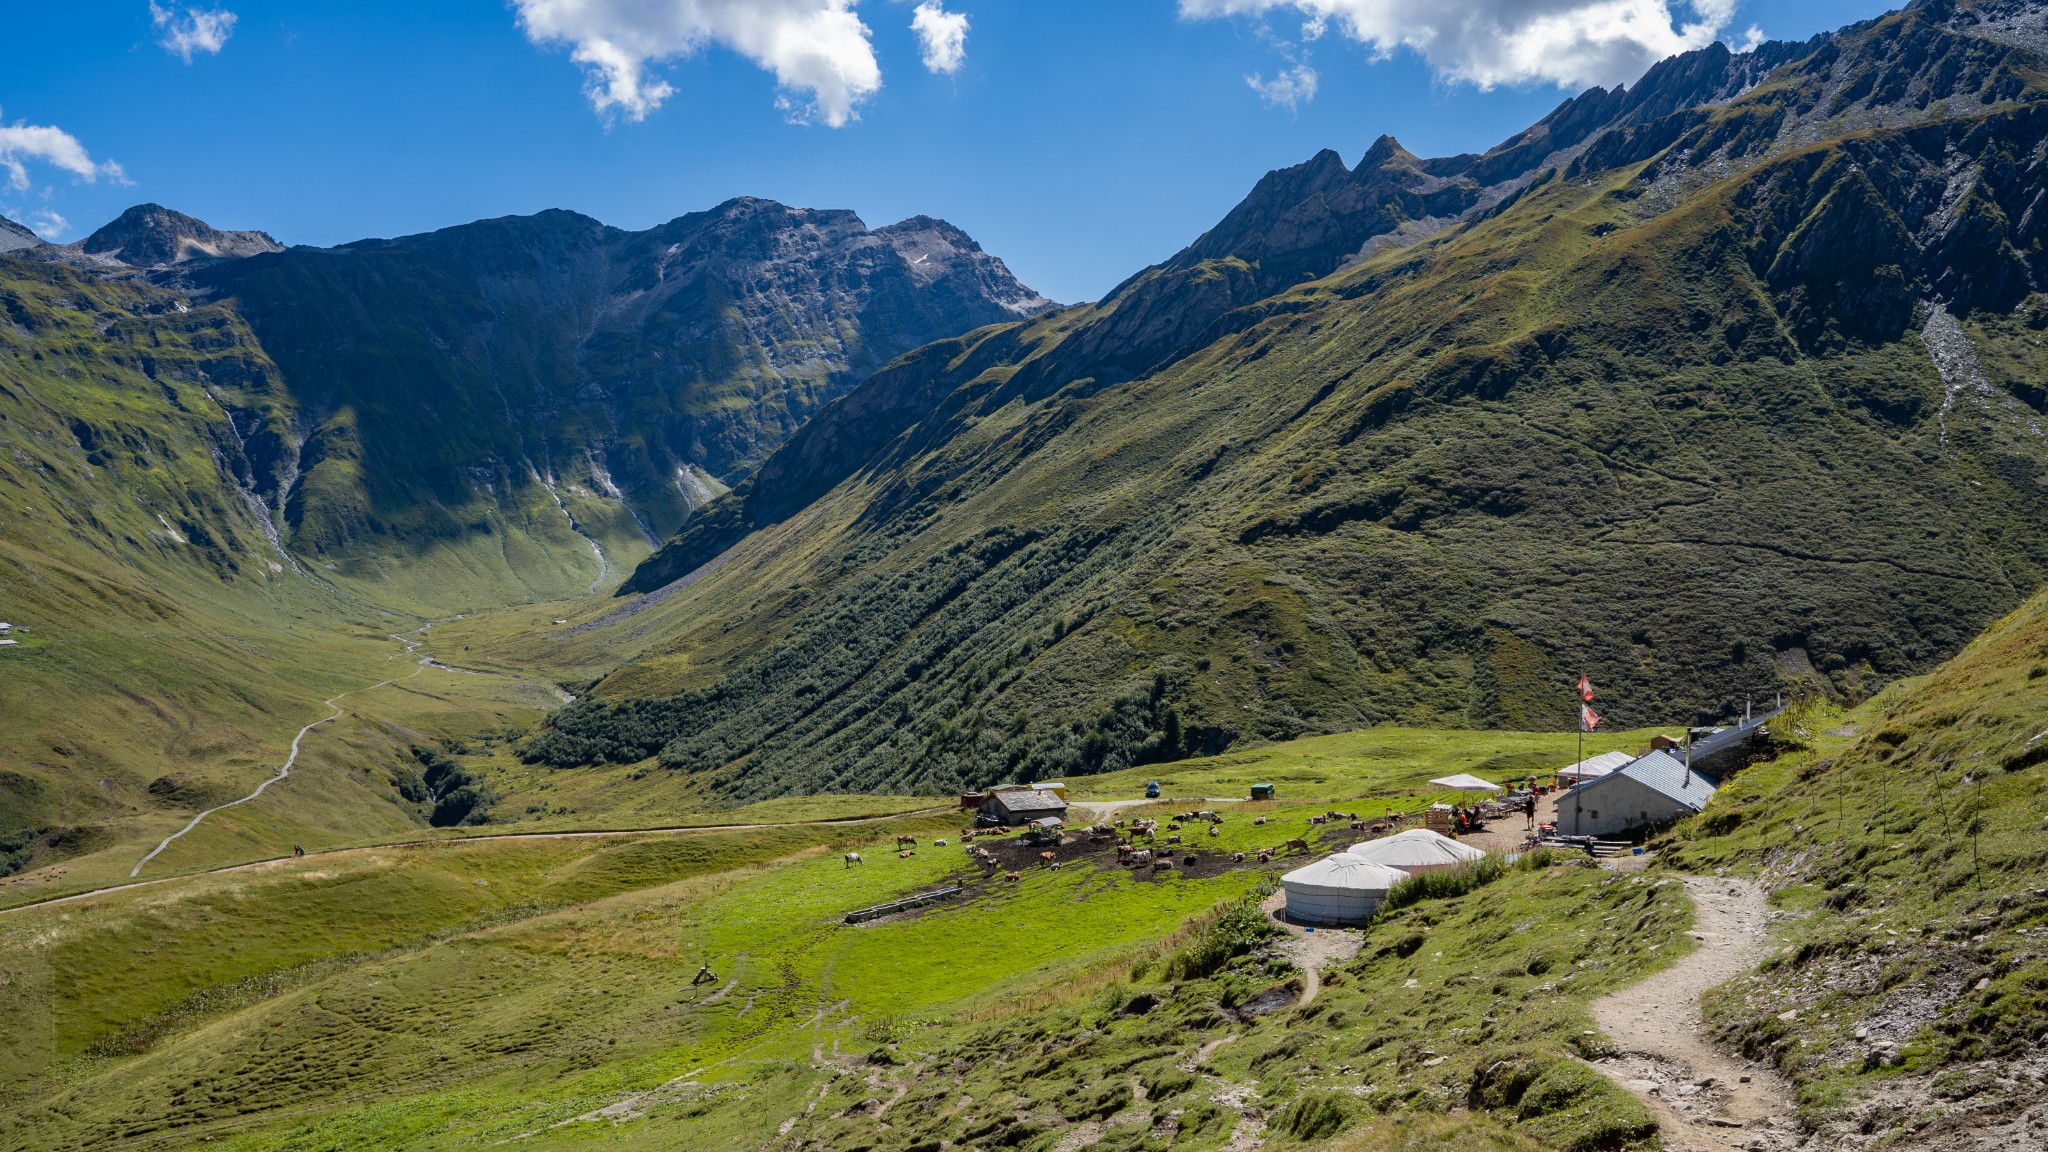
pixel 1262 791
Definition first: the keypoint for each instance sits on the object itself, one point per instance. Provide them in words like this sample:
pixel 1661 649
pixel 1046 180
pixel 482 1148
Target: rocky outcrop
pixel 14 237
pixel 153 236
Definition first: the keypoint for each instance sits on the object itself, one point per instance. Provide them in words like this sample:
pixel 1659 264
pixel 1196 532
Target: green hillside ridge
pixel 1907 848
pixel 1729 400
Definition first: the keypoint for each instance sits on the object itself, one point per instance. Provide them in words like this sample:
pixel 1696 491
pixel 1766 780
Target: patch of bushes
pixel 458 797
pixel 1225 936
pixel 1445 883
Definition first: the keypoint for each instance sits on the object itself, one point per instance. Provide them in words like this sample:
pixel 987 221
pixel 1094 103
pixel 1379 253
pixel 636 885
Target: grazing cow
pixel 1173 839
pixel 1046 857
pixel 1123 852
pixel 1012 877
pixel 853 858
pixel 1237 857
pixel 1297 845
pixel 910 841
pixel 940 843
pixel 1141 857
pixel 1260 821
pixel 1215 831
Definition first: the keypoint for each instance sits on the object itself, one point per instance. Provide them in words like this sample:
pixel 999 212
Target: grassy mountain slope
pixel 1907 847
pixel 436 997
pixel 1726 399
pixel 167 650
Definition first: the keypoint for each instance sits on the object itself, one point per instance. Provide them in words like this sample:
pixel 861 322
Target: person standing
pixel 1529 810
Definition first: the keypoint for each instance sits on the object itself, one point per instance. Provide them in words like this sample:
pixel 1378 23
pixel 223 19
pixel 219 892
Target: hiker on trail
pixel 1529 809
pixel 297 850
pixel 704 973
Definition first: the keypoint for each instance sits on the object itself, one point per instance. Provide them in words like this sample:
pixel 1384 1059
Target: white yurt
pixel 1342 889
pixel 1416 850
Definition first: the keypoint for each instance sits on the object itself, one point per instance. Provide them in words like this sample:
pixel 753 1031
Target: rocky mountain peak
pixel 933 249
pixel 14 237
pixel 153 236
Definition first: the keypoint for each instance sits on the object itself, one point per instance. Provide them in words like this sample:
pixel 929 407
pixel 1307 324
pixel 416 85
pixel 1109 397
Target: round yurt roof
pixel 1415 848
pixel 1342 875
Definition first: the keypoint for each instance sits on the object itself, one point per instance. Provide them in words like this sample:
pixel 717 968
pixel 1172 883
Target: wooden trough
pixel 918 901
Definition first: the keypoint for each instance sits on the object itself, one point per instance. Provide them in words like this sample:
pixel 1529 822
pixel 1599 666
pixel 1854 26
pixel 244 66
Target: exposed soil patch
pixel 1705 1100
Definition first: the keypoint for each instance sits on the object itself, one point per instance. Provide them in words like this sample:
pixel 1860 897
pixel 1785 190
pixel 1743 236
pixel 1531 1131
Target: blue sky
pixel 1079 141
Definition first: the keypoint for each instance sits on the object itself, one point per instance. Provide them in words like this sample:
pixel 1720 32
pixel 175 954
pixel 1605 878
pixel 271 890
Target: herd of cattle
pixel 1130 834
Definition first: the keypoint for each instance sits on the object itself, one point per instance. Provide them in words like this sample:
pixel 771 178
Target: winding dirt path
pixel 1311 949
pixel 285 769
pixel 1705 1099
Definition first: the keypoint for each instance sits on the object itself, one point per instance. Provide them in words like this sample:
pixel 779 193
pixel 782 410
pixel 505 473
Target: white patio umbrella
pixel 1465 782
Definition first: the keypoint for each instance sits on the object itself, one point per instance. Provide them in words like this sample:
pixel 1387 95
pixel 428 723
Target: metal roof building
pixel 1021 805
pixel 1650 790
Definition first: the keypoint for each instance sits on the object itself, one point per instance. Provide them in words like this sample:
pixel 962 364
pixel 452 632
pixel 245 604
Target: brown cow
pixel 906 854
pixel 1046 857
pixel 909 840
pixel 1013 877
pixel 1123 852
pixel 1297 844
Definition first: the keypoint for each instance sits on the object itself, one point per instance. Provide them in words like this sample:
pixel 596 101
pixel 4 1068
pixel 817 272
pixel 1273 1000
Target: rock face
pixel 441 385
pixel 153 236
pixel 14 237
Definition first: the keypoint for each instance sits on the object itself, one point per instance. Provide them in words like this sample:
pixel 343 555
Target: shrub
pixel 1444 883
pixel 1221 938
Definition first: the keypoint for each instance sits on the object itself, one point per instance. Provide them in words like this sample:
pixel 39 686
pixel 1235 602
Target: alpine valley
pixel 423 655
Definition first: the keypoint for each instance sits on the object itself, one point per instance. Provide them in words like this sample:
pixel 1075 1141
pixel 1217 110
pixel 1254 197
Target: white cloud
pixel 192 30
pixel 22 143
pixel 47 223
pixel 817 48
pixel 943 35
pixel 1569 43
pixel 1292 88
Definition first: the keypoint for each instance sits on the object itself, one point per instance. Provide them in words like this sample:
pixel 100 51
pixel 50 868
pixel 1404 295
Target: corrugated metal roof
pixel 1599 765
pixel 1665 774
pixel 1031 800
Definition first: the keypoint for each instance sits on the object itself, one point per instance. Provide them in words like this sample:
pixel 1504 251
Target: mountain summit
pixel 153 236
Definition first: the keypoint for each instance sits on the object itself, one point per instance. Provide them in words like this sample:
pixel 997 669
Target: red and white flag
pixel 1588 719
pixel 1585 688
